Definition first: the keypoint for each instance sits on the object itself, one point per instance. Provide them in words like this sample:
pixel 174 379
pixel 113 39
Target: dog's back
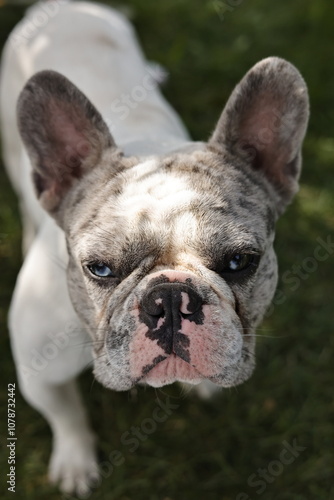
pixel 95 47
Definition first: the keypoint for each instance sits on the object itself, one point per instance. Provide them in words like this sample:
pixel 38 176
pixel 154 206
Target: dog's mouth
pixel 174 329
pixel 168 370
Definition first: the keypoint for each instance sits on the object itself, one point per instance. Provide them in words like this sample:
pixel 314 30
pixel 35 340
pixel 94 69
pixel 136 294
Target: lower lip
pixel 170 370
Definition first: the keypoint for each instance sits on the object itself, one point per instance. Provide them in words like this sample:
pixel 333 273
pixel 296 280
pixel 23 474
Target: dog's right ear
pixel 64 134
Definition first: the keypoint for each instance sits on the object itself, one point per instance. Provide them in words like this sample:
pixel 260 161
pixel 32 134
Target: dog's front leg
pixel 51 348
pixel 73 461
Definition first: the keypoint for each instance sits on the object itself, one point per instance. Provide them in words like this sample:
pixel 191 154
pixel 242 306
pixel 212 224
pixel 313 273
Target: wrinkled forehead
pixel 177 203
pixel 184 189
pixel 152 191
pixel 156 197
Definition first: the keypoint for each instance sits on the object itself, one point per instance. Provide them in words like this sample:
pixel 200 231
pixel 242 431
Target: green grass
pixel 209 450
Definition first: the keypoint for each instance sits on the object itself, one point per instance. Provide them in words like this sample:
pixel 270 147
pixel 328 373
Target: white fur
pixel 95 47
pixel 157 194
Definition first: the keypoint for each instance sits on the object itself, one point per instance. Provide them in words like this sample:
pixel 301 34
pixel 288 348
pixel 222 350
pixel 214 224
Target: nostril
pixel 155 311
pixel 177 299
pixel 185 315
pixel 153 306
pixel 158 310
pixel 191 303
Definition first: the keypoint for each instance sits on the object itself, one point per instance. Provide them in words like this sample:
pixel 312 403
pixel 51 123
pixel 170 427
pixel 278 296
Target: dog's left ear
pixel 63 132
pixel 264 123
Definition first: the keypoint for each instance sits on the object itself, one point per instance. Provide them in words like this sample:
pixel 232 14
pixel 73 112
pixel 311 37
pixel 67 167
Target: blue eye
pixel 239 261
pixel 101 270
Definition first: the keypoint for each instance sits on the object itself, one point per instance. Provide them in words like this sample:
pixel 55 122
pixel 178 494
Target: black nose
pixel 176 298
pixel 163 308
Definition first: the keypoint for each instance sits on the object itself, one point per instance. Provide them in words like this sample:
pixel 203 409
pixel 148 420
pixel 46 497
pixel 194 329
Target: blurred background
pixel 229 448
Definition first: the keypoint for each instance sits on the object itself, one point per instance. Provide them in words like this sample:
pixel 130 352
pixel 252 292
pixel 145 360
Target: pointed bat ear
pixel 64 134
pixel 264 123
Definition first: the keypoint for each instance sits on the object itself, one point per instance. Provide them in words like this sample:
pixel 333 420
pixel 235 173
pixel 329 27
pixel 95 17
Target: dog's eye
pixel 239 262
pixel 101 270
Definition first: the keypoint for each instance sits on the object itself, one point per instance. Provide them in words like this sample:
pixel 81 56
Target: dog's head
pixel 171 263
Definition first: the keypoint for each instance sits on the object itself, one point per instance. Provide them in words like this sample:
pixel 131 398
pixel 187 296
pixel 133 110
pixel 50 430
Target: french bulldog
pixel 153 257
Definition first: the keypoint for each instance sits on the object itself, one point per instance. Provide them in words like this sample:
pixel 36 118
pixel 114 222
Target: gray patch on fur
pixel 183 211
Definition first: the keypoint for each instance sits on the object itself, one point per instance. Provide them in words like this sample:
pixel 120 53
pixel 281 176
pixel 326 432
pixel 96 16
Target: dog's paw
pixel 73 465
